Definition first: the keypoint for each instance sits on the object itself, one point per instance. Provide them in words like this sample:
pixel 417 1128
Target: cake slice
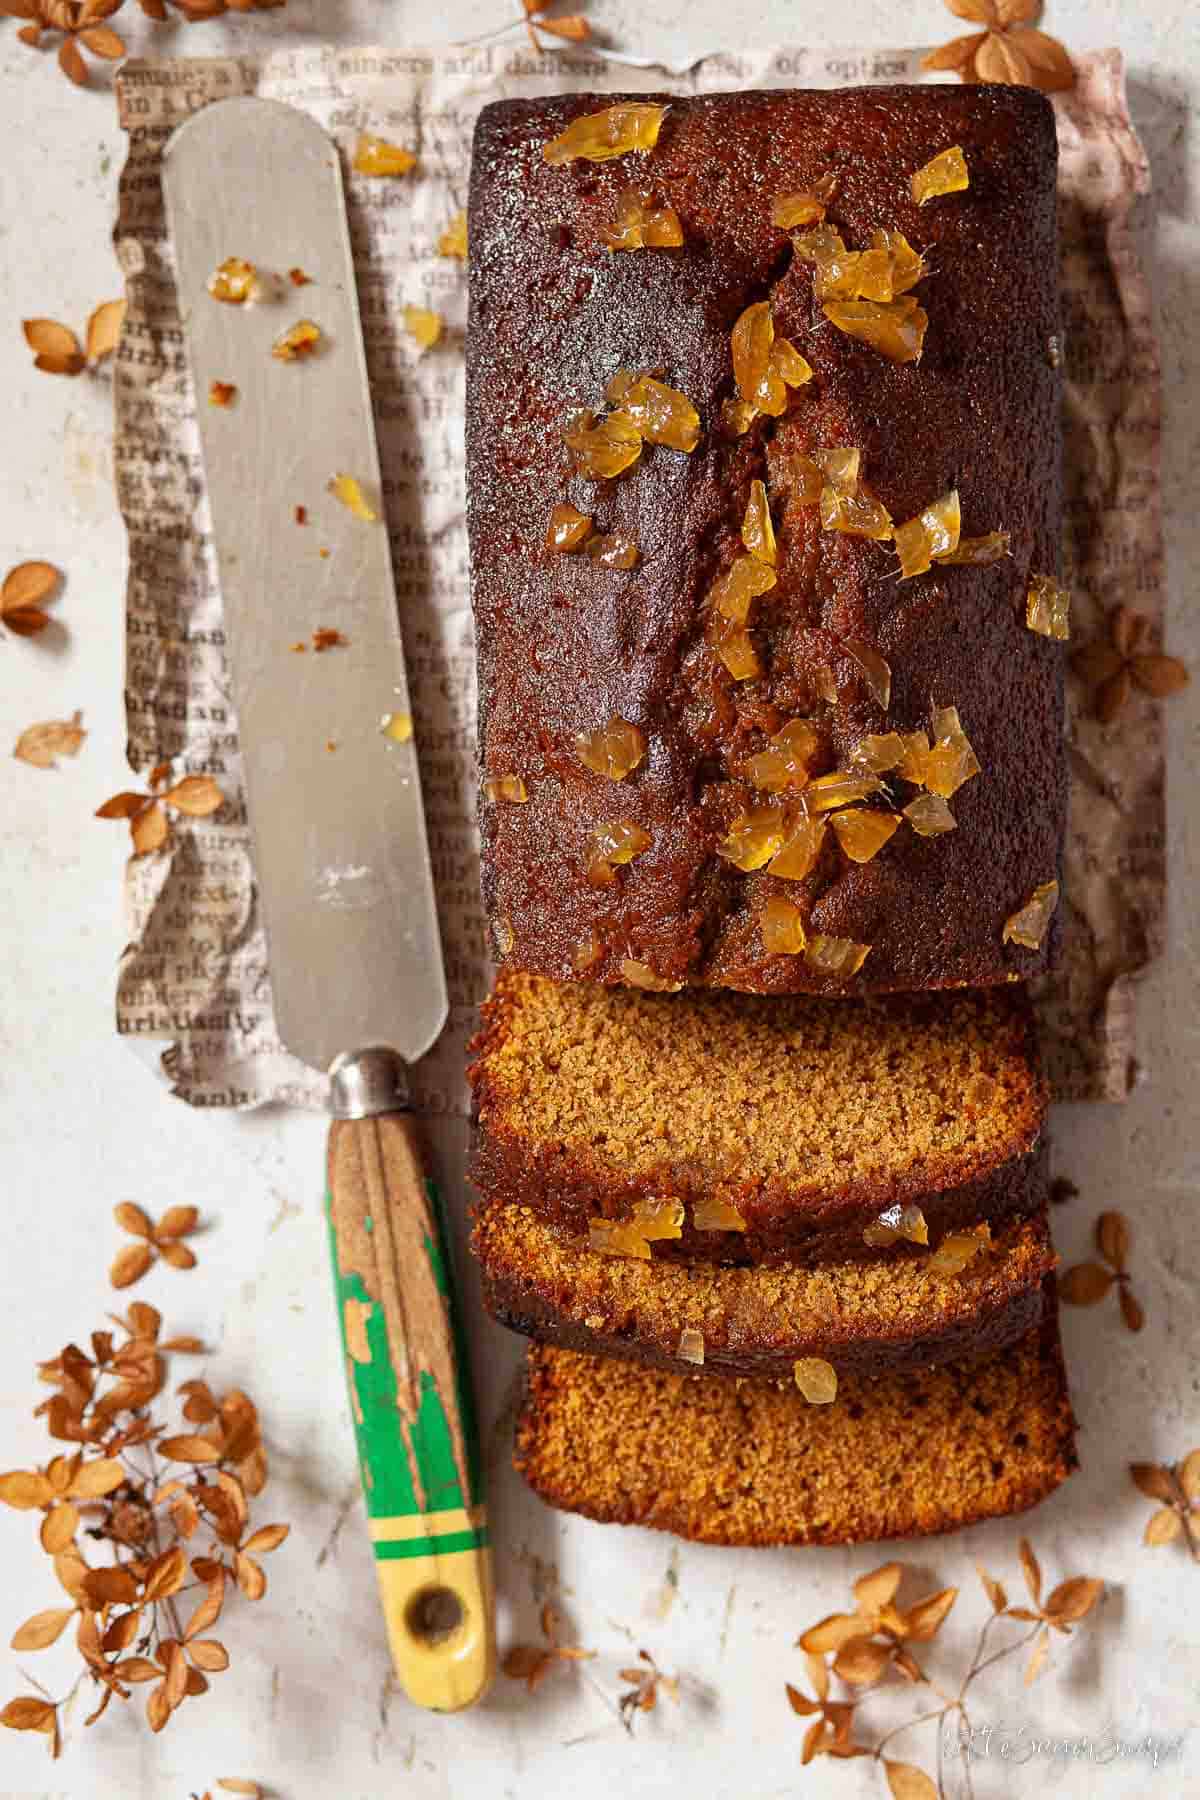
pixel 751 1463
pixel 796 1121
pixel 892 1311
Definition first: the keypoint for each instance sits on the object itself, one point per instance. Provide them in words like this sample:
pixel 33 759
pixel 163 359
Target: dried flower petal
pixel 40 745
pixel 104 324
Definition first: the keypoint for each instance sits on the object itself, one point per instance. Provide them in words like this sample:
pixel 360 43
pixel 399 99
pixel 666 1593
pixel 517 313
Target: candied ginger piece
pixel 734 645
pixel 714 1214
pixel 842 787
pixel 1029 925
pixel 614 751
pixel 930 816
pixel 907 264
pixel 737 416
pixel 786 761
pixel 587 952
pixel 945 173
pixel 863 833
pixel 841 468
pixel 661 414
pixel 614 550
pixel 1048 608
pixel 758 533
pixel 764 367
pixel 898 1223
pixel 914 757
pixel 876 670
pixel 604 448
pixel 234 281
pixel 786 362
pixel 800 849
pixel 911 542
pixel 642 223
pixel 601 136
pixel 743 581
pixel 978 552
pixel 453 241
pixel 802 478
pixel 614 1237
pixel 641 975
pixel 951 761
pixel 957 1249
pixel 376 156
pixel 347 489
pixel 836 955
pixel 297 343
pixel 618 841
pixel 855 515
pixel 816 1379
pixel 878 752
pixel 567 529
pixel 782 926
pixel 753 838
pixel 895 328
pixel 506 787
pixel 942 520
pixel 836 267
pixel 424 326
pixel 691 1346
pixel 790 210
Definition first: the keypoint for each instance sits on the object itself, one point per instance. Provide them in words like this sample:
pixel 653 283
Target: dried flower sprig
pixel 1007 49
pixel 1087 1283
pixel 41 745
pixel 78 25
pixel 130 1630
pixel 26 591
pixel 646 1681
pixel 149 825
pixel 1112 665
pixel 1177 1486
pixel 572 27
pixel 531 1663
pixel 153 1241
pixel 867 1644
pixel 56 349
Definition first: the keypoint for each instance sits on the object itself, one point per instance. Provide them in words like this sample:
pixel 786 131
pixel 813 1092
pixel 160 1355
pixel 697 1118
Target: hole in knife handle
pixel 435 1615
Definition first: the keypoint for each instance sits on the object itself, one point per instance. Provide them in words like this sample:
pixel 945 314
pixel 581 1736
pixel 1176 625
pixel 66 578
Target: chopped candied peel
pixel 841 787
pixel 898 1224
pixel 715 1214
pixel 1048 608
pixel 758 533
pixel 506 787
pixel 753 838
pixel 641 975
pixel 801 847
pixel 613 751
pixel 348 490
pixel 613 550
pixel 587 953
pixel 222 393
pixel 453 241
pixel 568 528
pixel 1029 924
pixel 930 537
pixel 734 645
pixel 786 761
pixel 896 328
pixel 651 1221
pixel 612 845
pixel 642 223
pixel 397 727
pixel 764 366
pixel 836 955
pixel 376 156
pixel 424 326
pixel 781 925
pixel 878 752
pixel 235 281
pixel 691 1346
pixel 862 833
pixel 945 173
pixel 816 1379
pixel 876 670
pixel 930 816
pixel 298 342
pixel 733 593
pixel 661 414
pixel 603 448
pixel 979 552
pixel 957 1249
pixel 601 136
pixel 882 273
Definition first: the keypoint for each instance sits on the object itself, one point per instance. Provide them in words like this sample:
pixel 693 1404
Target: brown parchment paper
pixel 193 986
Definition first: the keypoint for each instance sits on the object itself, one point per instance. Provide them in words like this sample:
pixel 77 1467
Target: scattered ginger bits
pixel 661 414
pixel 876 670
pixel 957 1249
pixel 601 136
pixel 346 489
pixel 234 281
pixel 297 343
pixel 376 156
pixel 642 223
pixel 691 1346
pixel 714 1214
pixel 397 727
pixel 898 1224
pixel 1029 925
pixel 846 504
pixel 743 581
pixel 786 761
pixel 221 393
pixel 758 533
pixel 614 751
pixel 930 816
pixel 836 956
pixel 603 448
pixel 587 953
pixel 753 838
pixel 841 787
pixel 863 833
pixel 781 924
pixel 613 550
pixel 510 788
pixel 945 173
pixel 424 326
pixel 801 847
pixel 896 329
pixel 816 1379
pixel 641 975
pixel 790 210
pixel 979 552
pixel 879 752
pixel 883 273
pixel 734 645
pixel 930 536
pixel 651 1221
pixel 765 367
pixel 568 528
pixel 1048 608
pixel 952 760
pixel 613 844
pixel 453 241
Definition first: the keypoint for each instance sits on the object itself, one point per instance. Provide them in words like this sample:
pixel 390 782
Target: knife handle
pixel 417 1446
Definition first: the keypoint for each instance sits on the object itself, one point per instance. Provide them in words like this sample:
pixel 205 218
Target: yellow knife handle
pixel 417 1445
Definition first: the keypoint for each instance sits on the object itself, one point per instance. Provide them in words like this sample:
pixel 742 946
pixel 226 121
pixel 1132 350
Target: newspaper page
pixel 193 986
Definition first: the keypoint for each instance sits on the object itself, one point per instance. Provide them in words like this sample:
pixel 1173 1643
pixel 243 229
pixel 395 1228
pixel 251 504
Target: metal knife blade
pixel 340 847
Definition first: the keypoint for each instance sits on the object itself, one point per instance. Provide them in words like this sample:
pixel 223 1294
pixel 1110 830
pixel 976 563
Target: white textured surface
pixel 307 1706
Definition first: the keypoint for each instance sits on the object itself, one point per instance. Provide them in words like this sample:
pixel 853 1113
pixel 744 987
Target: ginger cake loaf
pixel 752 1463
pixel 764 507
pixel 753 1128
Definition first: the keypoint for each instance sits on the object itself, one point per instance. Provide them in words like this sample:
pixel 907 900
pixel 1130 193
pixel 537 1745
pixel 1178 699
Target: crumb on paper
pixel 301 515
pixel 376 156
pixel 398 726
pixel 298 278
pixel 300 341
pixel 327 637
pixel 234 281
pixel 423 325
pixel 348 490
pixel 222 393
